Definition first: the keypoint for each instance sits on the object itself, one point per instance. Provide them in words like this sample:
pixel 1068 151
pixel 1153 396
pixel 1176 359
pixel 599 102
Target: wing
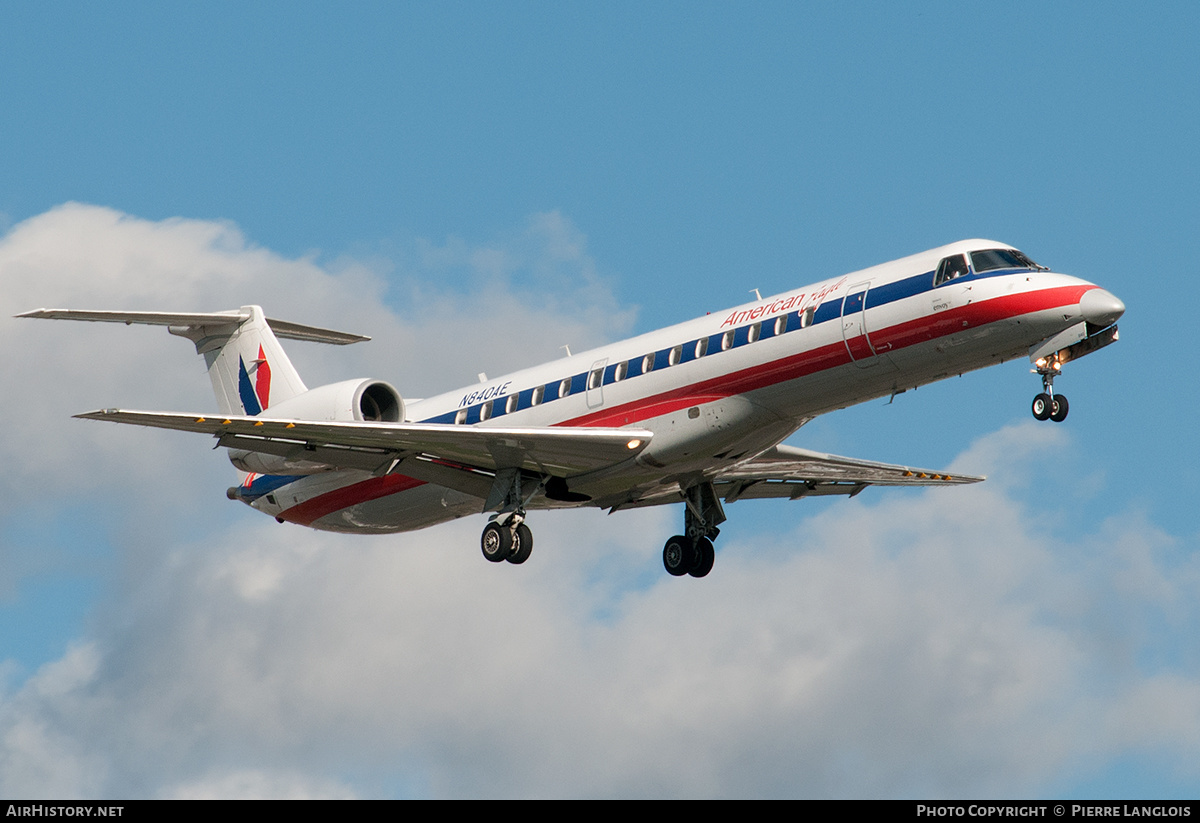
pixel 792 473
pixel 468 457
pixel 559 451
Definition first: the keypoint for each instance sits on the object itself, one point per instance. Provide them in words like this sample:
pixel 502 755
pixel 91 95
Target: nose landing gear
pixel 1048 405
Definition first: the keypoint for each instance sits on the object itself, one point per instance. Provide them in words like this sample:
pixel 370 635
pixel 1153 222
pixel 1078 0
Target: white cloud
pixel 528 294
pixel 950 642
pixel 252 784
pixel 879 648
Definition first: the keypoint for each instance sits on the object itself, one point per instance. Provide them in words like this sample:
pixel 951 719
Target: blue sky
pixel 478 184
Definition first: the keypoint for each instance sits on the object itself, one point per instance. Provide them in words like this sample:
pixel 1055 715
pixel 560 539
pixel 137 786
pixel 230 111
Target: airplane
pixel 694 413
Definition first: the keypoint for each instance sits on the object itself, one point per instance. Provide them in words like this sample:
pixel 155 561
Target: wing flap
pixel 561 451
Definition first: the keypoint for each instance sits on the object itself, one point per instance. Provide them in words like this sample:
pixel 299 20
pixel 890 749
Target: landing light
pixel 633 444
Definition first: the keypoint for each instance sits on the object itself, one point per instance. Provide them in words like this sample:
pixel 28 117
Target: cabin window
pixel 675 355
pixel 950 268
pixel 753 332
pixel 460 417
pixel 727 340
pixel 806 317
pixel 596 378
pixel 648 364
pixel 538 394
pixel 485 411
pixel 780 324
pixel 564 388
pixel 510 405
pixel 620 371
pixel 701 347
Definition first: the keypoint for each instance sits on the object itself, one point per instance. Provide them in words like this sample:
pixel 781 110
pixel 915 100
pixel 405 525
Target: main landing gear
pixel 1048 405
pixel 509 540
pixel 693 553
pixel 507 537
pixel 683 556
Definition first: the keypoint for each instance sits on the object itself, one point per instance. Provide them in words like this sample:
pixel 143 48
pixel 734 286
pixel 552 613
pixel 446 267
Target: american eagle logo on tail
pixel 256 395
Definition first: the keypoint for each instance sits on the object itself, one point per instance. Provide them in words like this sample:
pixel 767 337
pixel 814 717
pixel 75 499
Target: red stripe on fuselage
pixel 310 511
pixel 909 333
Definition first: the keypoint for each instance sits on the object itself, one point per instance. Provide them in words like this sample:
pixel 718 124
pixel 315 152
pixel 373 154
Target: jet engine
pixel 369 401
pixel 360 400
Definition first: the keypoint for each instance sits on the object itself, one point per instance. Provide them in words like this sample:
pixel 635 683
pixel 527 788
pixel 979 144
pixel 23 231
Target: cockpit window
pixel 993 259
pixel 1029 263
pixel 950 268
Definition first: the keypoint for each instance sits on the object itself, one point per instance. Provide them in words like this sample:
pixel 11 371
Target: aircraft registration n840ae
pixel 693 414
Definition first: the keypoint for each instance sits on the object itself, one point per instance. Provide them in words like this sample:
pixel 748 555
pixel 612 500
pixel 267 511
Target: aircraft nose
pixel 1100 307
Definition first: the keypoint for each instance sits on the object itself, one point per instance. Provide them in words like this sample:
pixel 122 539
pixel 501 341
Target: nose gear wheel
pixel 1048 405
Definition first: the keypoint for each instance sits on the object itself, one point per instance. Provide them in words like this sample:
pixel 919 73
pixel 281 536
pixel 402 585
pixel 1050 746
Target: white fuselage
pixel 721 388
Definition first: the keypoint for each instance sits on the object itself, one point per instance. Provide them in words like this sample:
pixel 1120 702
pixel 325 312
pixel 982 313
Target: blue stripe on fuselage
pixel 265 484
pixel 828 311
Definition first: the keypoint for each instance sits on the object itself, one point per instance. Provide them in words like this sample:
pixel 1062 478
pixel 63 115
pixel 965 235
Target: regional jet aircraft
pixel 695 413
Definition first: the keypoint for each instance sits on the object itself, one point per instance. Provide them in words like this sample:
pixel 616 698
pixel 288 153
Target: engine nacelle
pixel 371 401
pixel 364 401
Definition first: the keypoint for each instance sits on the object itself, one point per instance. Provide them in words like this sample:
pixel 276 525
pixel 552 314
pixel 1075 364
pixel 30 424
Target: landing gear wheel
pixel 496 542
pixel 677 555
pixel 705 556
pixel 1042 406
pixel 522 545
pixel 1058 412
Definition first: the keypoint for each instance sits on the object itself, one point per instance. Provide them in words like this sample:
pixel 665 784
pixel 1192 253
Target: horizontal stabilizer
pixel 183 320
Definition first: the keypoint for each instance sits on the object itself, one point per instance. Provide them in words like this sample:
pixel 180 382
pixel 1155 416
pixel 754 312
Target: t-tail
pixel 247 365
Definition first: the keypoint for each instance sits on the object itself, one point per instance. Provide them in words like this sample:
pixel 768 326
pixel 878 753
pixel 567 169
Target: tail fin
pixel 247 365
